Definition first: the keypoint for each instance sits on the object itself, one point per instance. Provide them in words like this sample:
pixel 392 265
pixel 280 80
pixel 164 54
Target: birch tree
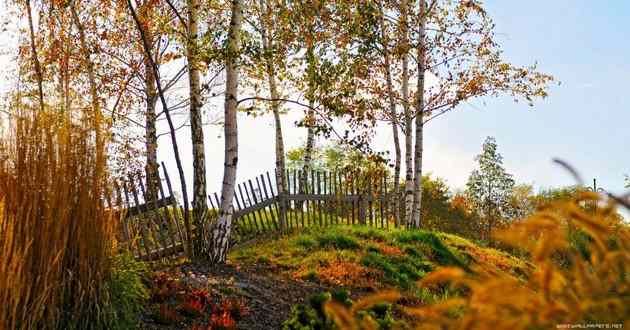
pixel 271 52
pixel 419 114
pixel 454 42
pixel 221 231
pixel 408 128
pixel 199 204
pixel 393 115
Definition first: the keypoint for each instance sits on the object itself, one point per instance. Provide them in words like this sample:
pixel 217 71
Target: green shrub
pixel 127 292
pixel 382 314
pixel 311 316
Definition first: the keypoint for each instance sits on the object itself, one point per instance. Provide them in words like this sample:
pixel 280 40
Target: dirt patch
pixel 268 295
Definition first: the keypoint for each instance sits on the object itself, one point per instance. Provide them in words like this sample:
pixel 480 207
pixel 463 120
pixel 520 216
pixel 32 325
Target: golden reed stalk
pixel 56 236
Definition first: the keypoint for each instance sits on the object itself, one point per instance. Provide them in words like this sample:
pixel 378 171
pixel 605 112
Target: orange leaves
pixel 339 272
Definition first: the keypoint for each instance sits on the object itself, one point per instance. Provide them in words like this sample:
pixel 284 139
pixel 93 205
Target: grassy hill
pixel 363 257
pixel 351 262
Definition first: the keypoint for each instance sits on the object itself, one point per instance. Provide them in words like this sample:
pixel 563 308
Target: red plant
pixel 200 295
pixel 222 321
pixel 192 307
pixel 166 315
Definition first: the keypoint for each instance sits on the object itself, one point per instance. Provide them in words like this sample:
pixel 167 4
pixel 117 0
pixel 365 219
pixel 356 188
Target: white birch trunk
pixel 417 190
pixel 199 202
pixel 151 166
pixel 407 113
pixel 275 107
pixel 221 232
pixel 394 121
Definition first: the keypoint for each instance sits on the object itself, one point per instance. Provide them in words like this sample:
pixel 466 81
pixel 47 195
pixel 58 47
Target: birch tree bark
pixel 267 44
pixel 180 169
pixel 417 190
pixel 221 232
pixel 199 203
pixel 404 8
pixel 151 166
pixel 394 119
pixel 310 114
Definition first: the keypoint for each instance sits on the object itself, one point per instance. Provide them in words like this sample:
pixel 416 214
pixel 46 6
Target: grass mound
pixel 361 256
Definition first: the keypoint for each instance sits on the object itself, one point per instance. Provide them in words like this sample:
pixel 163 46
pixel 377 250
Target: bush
pixel 127 291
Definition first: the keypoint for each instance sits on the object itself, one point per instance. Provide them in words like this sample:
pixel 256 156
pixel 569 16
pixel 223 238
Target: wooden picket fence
pixel 316 198
pixel 153 228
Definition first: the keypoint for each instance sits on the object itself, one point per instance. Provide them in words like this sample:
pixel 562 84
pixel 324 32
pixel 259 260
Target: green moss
pixel 369 233
pixel 305 241
pixel 337 240
pixel 400 271
pixel 442 254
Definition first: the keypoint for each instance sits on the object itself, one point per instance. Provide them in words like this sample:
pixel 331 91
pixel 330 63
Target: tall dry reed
pixel 56 237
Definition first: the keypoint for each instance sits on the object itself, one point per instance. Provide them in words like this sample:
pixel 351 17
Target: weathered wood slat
pixel 256 207
pixel 171 217
pixel 143 230
pixel 162 202
pixel 154 218
pixel 250 216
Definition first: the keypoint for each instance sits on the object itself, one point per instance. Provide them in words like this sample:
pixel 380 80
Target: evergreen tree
pixel 489 187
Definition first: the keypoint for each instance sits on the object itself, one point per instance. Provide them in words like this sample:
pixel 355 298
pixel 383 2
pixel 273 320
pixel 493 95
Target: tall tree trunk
pixel 151 166
pixel 417 166
pixel 199 204
pixel 310 140
pixel 36 63
pixel 180 169
pixel 275 107
pixel 407 113
pixel 394 121
pixel 221 232
pixel 310 117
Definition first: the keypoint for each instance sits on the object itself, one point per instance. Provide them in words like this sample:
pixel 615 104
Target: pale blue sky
pixel 585 120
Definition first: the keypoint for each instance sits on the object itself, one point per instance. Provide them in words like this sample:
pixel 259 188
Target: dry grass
pixel 56 238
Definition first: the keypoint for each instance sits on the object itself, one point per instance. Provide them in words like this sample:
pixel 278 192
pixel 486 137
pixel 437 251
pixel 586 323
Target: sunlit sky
pixel 584 121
